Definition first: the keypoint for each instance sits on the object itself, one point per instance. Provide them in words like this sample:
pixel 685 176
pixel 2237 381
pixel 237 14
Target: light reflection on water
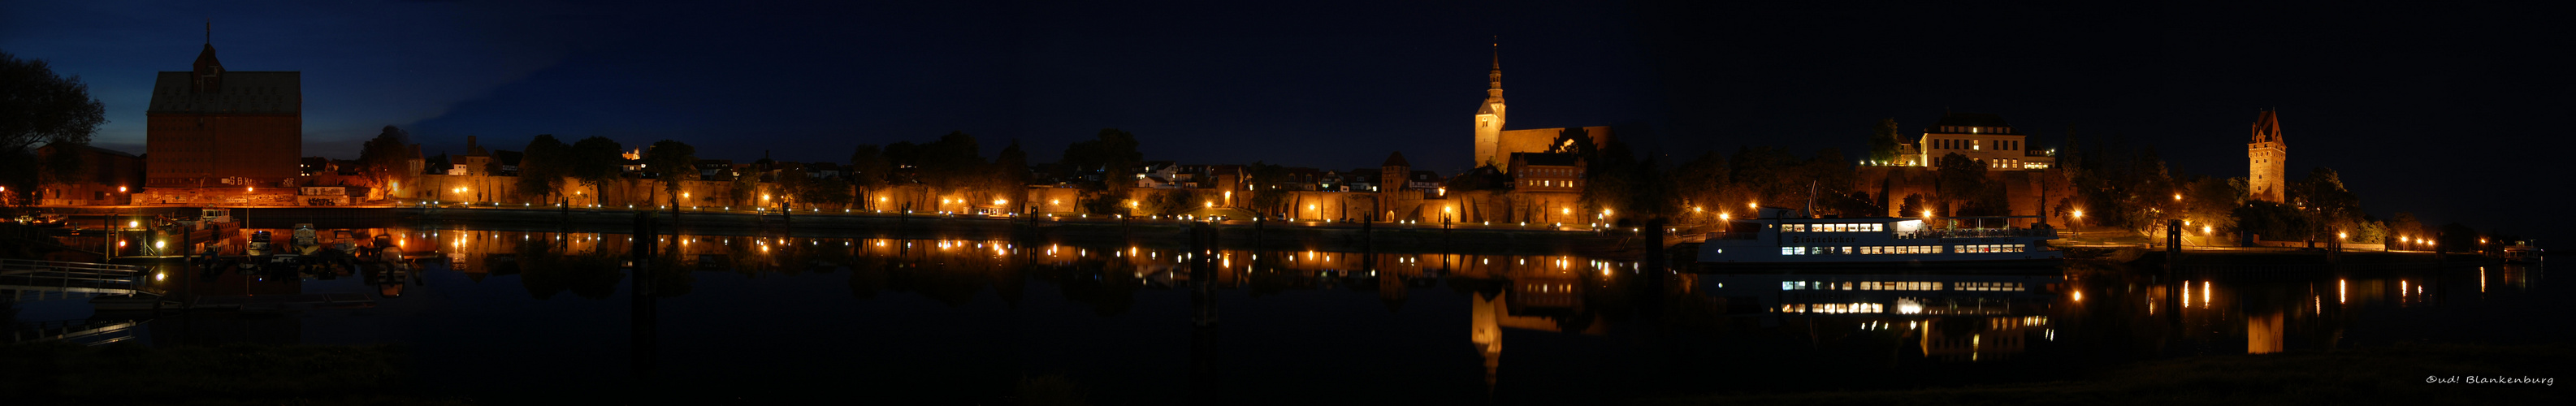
pixel 1119 317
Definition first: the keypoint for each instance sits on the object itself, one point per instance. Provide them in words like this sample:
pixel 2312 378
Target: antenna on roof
pixel 210 31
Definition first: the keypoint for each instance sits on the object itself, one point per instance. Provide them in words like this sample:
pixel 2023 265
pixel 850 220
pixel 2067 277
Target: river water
pixel 509 316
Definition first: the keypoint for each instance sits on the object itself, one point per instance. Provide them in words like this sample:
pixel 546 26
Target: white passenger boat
pixel 1783 238
pixel 2521 253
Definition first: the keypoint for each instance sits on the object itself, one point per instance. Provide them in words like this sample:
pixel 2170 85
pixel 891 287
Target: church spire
pixel 1495 78
pixel 208 71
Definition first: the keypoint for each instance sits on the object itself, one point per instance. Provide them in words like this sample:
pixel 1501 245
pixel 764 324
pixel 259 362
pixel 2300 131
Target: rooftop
pixel 1971 120
pixel 244 92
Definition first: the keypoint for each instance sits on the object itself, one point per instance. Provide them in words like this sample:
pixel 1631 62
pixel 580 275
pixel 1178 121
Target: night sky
pixel 2453 113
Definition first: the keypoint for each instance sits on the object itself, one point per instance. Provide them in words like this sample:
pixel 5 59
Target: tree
pixel 1882 142
pixel 869 170
pixel 1573 140
pixel 38 107
pixel 387 157
pixel 1701 181
pixel 2209 201
pixel 2405 227
pixel 2323 195
pixel 1961 185
pixel 1169 202
pixel 543 166
pixel 677 163
pixel 1105 167
pixel 826 191
pixel 2268 221
pixel 1009 178
pixel 1107 161
pixel 1268 191
pixel 1611 181
pixel 595 161
pixel 1761 174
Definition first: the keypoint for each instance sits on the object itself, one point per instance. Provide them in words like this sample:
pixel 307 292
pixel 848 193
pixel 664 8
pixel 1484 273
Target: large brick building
pixel 212 128
pixel 1494 145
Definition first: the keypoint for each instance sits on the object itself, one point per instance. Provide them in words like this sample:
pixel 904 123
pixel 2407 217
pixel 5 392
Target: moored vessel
pixel 1784 238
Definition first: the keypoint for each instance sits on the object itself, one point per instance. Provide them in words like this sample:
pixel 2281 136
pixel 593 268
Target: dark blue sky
pixel 2448 112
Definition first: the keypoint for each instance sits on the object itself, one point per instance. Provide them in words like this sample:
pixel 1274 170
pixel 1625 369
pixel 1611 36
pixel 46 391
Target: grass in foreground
pixel 2369 376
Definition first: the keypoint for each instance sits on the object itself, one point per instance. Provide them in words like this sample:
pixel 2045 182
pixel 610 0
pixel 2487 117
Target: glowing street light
pixel 2079 213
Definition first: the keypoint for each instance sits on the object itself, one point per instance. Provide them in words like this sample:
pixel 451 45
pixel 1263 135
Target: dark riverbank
pixel 1306 235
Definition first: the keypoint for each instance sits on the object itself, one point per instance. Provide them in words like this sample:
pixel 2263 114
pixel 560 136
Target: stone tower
pixel 2267 155
pixel 1395 173
pixel 1489 117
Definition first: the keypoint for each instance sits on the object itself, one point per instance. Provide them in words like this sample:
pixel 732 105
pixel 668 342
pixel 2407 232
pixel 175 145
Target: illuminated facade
pixel 1982 137
pixel 2266 155
pixel 215 128
pixel 1545 172
pixel 1494 145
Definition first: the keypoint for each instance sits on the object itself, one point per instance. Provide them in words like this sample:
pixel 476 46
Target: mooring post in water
pixel 2173 243
pixel 1203 243
pixel 1368 233
pixel 642 317
pixel 1655 247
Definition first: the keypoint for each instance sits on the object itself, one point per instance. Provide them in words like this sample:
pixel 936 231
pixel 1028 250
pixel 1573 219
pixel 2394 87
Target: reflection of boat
pixel 1781 240
pixel 2522 253
pixel 1864 294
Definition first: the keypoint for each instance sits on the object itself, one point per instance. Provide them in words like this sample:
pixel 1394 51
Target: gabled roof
pixel 243 92
pixel 1396 159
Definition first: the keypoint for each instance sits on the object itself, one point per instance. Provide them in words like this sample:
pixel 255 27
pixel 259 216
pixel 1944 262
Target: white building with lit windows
pixel 1982 137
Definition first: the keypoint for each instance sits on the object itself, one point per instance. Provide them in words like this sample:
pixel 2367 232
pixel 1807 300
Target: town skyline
pixel 1355 110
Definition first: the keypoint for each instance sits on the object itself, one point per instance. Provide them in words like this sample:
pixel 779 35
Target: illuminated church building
pixel 1495 145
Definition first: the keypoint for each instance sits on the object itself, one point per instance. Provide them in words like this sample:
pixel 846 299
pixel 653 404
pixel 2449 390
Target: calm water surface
pixel 538 316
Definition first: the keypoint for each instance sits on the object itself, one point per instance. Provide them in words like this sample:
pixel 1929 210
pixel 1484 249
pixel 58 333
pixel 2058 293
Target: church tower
pixel 2267 155
pixel 1489 117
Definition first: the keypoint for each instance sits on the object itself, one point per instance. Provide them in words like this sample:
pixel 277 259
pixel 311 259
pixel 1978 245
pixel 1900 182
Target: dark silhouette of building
pixel 215 128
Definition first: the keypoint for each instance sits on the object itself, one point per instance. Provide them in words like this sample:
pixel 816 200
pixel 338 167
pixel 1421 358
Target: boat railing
pixel 1978 233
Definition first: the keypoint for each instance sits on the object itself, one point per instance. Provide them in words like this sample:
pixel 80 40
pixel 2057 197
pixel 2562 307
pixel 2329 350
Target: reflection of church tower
pixel 1485 329
pixel 1489 117
pixel 2267 155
